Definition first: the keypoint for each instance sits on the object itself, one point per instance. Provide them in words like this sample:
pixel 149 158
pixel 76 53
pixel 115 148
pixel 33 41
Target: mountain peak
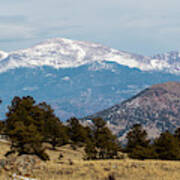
pixel 66 53
pixel 173 87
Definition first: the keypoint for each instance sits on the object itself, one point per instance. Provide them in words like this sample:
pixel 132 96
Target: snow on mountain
pixel 3 55
pixel 65 53
pixel 171 61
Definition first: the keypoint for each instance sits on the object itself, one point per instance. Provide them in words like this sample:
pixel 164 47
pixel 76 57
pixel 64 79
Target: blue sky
pixel 139 26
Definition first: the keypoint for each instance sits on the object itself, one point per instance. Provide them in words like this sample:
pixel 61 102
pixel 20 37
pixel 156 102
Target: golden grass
pixel 121 169
pixel 4 147
pixel 77 169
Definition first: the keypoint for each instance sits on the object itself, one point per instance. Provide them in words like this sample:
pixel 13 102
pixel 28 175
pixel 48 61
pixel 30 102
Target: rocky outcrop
pixel 24 165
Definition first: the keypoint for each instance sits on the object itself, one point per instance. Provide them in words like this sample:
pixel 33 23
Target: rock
pixel 3 162
pixel 16 177
pixel 121 155
pixel 24 165
pixel 111 177
pixel 60 156
pixel 70 162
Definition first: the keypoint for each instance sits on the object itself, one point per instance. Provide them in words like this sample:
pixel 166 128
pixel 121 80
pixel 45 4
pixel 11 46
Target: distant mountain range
pixel 80 78
pixel 65 53
pixel 157 108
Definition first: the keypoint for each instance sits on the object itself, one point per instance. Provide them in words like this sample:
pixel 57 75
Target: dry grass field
pixel 72 167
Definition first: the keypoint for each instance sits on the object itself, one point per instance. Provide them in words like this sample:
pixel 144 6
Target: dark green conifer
pixel 138 145
pixel 104 144
pixel 54 131
pixel 167 146
pixel 77 132
pixel 24 126
pixel 137 136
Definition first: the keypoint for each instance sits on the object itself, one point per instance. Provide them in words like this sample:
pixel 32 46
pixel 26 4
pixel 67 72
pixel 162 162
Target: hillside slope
pixel 157 108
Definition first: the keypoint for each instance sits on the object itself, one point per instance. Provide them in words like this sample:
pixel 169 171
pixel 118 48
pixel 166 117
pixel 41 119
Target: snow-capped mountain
pixel 65 53
pixel 3 55
pixel 80 78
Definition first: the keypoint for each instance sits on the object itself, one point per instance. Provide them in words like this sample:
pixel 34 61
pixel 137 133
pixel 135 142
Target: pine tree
pixel 77 133
pixel 54 131
pixel 167 146
pixel 103 144
pixel 24 126
pixel 91 150
pixel 177 134
pixel 138 145
pixel 137 136
pixel 2 127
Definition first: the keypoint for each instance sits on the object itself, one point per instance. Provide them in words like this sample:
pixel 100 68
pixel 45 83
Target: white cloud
pixel 123 24
pixel 13 31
